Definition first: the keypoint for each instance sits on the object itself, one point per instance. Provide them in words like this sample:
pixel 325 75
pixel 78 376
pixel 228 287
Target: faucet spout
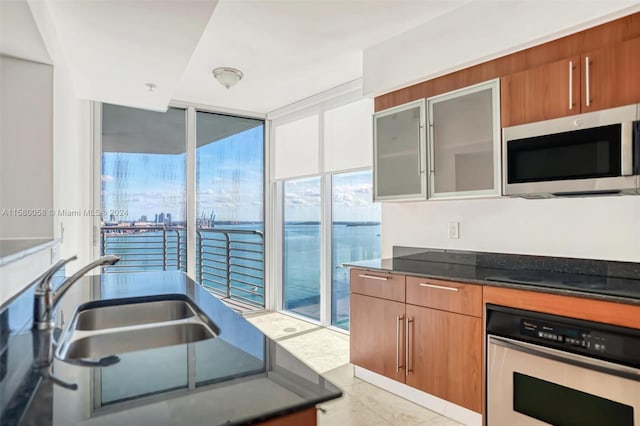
pixel 67 283
pixel 46 300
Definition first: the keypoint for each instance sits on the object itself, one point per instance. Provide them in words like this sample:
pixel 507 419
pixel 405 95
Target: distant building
pixel 156 221
pixel 143 218
pixel 169 219
pixel 161 218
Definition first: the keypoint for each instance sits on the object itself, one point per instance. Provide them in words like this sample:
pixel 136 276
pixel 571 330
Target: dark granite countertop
pixel 239 377
pixel 595 279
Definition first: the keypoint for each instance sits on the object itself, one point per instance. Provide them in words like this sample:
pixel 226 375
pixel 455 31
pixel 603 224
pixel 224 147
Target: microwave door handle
pixel 626 148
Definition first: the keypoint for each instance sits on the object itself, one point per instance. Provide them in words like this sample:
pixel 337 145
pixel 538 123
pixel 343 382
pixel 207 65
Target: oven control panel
pixel 597 340
pixel 589 340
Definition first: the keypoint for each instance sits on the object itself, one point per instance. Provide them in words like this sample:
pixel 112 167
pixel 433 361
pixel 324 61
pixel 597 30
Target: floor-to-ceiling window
pixel 302 246
pixel 322 165
pixel 355 235
pixel 229 206
pixel 143 188
pixel 146 185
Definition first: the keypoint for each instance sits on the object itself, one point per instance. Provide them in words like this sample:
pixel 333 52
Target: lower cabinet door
pixel 377 335
pixel 445 355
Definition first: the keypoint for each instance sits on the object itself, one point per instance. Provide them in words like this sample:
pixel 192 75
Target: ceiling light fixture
pixel 227 76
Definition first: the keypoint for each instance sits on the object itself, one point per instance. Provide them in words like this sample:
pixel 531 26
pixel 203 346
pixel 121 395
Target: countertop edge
pixel 539 289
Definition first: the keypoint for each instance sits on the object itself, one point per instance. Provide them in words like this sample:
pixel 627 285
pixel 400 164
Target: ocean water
pixel 302 276
pixel 301 262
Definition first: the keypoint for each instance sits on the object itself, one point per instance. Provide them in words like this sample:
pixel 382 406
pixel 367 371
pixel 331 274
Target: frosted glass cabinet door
pixel 464 142
pixel 399 146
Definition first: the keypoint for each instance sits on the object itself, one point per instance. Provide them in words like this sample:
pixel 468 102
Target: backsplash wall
pixel 594 228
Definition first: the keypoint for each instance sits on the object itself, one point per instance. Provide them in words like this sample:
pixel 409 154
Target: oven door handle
pixel 567 357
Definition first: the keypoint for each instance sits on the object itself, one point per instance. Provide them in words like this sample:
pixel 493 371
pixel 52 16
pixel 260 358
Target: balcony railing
pixel 229 262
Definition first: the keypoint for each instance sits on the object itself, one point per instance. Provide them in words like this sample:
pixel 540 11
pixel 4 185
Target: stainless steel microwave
pixel 597 153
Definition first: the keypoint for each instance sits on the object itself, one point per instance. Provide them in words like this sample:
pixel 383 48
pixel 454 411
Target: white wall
pixel 72 161
pixel 25 148
pixel 596 228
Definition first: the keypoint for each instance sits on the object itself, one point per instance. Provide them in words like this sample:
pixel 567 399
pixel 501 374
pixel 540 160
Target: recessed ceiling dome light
pixel 227 76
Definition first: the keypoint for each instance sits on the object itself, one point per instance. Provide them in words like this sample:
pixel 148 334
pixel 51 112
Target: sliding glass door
pixel 229 206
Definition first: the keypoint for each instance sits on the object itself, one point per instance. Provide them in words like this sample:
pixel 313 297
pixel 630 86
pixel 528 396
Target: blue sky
pixel 229 182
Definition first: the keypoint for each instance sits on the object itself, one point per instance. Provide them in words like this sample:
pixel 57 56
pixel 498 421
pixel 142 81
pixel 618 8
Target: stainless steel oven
pixel 545 369
pixel 589 154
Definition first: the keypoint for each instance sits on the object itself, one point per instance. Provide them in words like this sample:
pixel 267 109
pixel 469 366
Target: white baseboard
pixel 433 403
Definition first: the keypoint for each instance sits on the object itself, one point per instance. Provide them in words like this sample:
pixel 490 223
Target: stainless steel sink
pixel 98 346
pixel 103 317
pixel 101 330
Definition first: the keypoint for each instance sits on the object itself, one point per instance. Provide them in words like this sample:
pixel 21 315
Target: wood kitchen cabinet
pixel 596 80
pixel 444 326
pixel 422 332
pixel 445 355
pixel 377 335
pixel 541 93
pixel 377 322
pixel 611 77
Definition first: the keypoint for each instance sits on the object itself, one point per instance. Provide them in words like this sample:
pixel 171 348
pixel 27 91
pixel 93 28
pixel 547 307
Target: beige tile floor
pixel 327 352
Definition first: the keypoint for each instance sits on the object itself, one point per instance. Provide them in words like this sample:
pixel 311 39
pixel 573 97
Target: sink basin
pixel 101 345
pixel 103 317
pixel 105 328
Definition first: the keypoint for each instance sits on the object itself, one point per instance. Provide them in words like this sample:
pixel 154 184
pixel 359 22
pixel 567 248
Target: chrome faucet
pixel 46 299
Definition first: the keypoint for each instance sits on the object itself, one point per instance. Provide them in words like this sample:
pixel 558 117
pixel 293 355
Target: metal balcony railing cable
pixel 229 262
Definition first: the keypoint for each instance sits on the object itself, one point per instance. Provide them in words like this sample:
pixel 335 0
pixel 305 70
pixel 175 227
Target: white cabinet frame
pixel 494 86
pixel 421 158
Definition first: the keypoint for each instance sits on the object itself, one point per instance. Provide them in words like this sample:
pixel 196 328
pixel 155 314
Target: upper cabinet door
pixel 400 153
pixel 611 76
pixel 541 93
pixel 464 142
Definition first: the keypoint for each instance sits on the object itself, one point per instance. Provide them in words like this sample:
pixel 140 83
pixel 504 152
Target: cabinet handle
pixel 399 319
pixel 408 347
pixel 419 151
pixel 373 277
pixel 586 73
pixel 570 85
pixel 439 287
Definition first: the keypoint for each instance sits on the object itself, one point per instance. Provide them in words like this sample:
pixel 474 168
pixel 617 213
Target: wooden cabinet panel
pixel 378 284
pixel 612 76
pixel 445 355
pixel 377 335
pixel 587 309
pixel 445 295
pixel 541 93
pixel 307 417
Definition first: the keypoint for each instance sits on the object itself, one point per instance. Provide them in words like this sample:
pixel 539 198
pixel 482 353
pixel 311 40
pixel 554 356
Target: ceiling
pixel 288 50
pixel 150 132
